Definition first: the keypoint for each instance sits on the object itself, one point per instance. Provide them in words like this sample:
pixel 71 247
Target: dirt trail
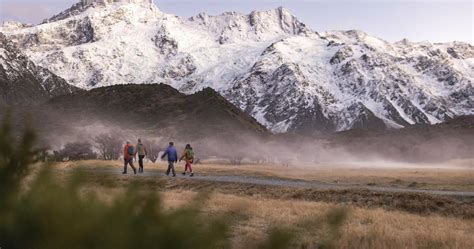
pixel 268 181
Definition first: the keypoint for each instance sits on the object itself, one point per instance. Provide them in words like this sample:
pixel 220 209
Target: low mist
pixel 290 150
pixel 395 148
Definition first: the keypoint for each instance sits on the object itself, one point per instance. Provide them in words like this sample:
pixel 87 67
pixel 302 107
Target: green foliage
pixel 278 239
pixel 15 157
pixel 334 221
pixel 54 216
pixel 39 212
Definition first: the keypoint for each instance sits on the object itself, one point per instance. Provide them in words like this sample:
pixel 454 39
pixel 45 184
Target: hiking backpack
pixel 189 154
pixel 131 150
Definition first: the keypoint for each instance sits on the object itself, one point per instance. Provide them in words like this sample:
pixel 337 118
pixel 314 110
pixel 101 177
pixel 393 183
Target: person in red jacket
pixel 128 154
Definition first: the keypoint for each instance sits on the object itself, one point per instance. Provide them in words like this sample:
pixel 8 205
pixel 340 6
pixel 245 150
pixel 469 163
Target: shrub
pixel 76 151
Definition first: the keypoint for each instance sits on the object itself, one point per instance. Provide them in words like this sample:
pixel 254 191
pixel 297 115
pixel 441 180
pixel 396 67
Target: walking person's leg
pixel 140 163
pixel 169 168
pixel 185 168
pixel 172 168
pixel 191 169
pixel 131 165
pixel 124 166
pixel 190 166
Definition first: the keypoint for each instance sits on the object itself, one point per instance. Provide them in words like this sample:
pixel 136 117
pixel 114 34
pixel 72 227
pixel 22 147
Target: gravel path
pixel 289 183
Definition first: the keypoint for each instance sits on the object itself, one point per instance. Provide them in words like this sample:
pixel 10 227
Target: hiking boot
pixel 192 174
pixel 184 173
pixel 135 171
pixel 124 173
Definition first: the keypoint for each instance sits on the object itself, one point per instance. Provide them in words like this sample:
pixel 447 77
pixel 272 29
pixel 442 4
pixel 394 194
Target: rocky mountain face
pixel 350 80
pixel 288 77
pixel 24 83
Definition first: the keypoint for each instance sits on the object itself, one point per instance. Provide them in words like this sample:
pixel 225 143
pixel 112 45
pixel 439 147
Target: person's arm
pixel 176 156
pixel 164 154
pixel 146 152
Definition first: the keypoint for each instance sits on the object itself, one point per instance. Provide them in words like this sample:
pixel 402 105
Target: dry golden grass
pixel 440 177
pixel 365 228
pixel 426 176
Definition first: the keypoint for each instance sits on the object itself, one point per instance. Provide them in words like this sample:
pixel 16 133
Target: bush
pixel 76 151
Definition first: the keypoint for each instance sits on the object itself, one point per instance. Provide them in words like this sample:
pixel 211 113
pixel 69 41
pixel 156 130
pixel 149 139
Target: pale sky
pixel 392 20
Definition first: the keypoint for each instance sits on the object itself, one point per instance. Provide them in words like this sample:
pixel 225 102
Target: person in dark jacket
pixel 172 158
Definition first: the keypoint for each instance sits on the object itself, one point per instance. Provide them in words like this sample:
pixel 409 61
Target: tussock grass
pixel 363 228
pixel 42 212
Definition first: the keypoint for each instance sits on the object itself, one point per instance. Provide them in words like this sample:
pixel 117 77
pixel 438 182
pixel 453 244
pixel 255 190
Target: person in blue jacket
pixel 172 158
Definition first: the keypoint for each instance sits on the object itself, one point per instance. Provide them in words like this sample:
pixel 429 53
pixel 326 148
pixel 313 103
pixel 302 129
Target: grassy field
pixel 375 224
pixel 364 228
pixel 457 175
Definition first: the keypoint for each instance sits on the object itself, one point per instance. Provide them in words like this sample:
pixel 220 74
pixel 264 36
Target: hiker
pixel 188 156
pixel 128 154
pixel 142 153
pixel 172 158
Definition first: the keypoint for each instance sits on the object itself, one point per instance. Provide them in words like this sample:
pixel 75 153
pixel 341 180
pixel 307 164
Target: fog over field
pixel 360 148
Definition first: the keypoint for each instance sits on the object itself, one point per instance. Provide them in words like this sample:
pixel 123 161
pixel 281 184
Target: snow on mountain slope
pixel 269 64
pixel 24 83
pixel 351 80
pixel 133 43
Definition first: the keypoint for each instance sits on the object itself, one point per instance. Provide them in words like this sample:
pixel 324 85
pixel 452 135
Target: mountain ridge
pixel 159 108
pixel 287 76
pixel 24 83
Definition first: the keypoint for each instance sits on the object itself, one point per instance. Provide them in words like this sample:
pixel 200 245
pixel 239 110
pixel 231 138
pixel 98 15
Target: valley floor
pixel 387 207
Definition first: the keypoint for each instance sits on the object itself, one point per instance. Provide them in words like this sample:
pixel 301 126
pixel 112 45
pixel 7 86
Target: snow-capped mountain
pixel 351 80
pixel 24 83
pixel 269 64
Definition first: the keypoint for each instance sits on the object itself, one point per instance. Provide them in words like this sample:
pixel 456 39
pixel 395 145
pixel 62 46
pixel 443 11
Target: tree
pixel 109 146
pixel 153 149
pixel 76 151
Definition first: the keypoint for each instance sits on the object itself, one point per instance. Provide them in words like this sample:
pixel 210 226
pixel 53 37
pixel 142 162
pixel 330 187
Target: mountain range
pixel 267 63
